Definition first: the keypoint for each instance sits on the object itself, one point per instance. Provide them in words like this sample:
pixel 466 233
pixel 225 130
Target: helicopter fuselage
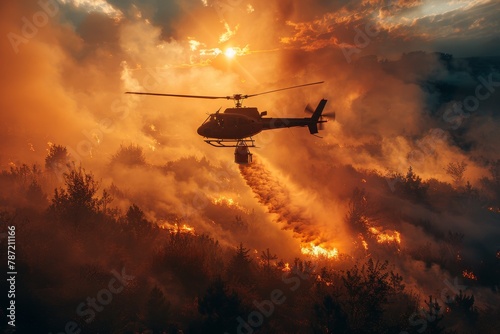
pixel 234 123
pixel 236 126
pixel 241 122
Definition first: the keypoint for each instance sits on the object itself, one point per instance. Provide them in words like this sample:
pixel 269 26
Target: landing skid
pixel 231 142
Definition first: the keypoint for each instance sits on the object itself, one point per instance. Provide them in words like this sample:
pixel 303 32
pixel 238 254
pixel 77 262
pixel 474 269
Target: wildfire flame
pixel 223 200
pixel 386 236
pixel 493 209
pixel 469 274
pixel 287 268
pixel 318 251
pixel 174 228
pixel 228 202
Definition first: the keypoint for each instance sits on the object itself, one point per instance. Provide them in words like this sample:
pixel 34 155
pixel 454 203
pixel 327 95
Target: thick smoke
pixel 65 84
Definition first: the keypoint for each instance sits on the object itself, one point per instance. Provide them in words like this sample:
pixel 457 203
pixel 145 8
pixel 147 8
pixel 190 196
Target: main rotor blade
pixel 180 95
pixel 277 90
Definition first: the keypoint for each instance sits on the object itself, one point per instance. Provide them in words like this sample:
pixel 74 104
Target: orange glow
pixel 223 200
pixel 230 53
pixel 386 236
pixel 365 244
pixel 318 251
pixel 287 267
pixel 174 228
pixel 469 274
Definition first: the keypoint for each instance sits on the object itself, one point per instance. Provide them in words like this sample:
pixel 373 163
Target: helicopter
pixel 236 126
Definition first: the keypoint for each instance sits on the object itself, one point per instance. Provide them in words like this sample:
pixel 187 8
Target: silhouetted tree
pixel 239 268
pixel 412 187
pixel 356 216
pixel 136 220
pixel 157 311
pixel 367 289
pixel 77 202
pixel 105 200
pixel 330 317
pixel 57 160
pixel 36 196
pixel 220 308
pixel 24 175
pixel 267 258
pixel 456 170
pixel 434 317
pixel 131 155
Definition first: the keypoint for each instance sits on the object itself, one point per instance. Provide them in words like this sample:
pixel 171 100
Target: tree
pixel 330 318
pixel 239 267
pixel 219 307
pixel 456 170
pixel 356 216
pixel 105 200
pixel 57 160
pixel 131 155
pixel 77 202
pixel 412 186
pixel 434 317
pixel 368 289
pixel 267 258
pixel 136 220
pixel 157 311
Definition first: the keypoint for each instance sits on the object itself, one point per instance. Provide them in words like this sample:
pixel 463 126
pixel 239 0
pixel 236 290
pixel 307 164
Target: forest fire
pixel 176 228
pixel 386 236
pixel 223 200
pixel 319 251
pixel 469 274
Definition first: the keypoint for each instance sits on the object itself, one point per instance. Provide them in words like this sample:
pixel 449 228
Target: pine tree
pixel 267 258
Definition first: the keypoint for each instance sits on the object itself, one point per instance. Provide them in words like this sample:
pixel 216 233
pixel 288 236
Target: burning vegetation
pixel 185 267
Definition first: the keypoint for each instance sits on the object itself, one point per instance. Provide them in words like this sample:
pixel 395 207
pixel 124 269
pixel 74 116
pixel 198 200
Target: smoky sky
pixel 63 82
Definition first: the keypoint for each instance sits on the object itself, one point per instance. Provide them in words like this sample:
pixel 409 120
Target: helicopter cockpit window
pixel 220 121
pixel 209 118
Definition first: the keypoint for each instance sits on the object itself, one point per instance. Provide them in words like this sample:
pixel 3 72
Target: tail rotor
pixel 325 117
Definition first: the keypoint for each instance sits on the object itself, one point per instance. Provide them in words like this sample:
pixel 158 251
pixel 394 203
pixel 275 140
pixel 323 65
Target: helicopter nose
pixel 202 131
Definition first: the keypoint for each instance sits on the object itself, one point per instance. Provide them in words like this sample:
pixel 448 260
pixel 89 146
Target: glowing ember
pixel 174 228
pixel 469 274
pixel 318 251
pixel 365 244
pixel 386 236
pixel 229 202
pixel 223 200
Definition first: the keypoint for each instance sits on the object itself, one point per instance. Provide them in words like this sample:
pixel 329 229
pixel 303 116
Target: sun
pixel 230 53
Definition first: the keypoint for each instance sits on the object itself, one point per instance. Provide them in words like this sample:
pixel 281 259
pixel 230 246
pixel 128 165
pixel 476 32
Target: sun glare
pixel 230 53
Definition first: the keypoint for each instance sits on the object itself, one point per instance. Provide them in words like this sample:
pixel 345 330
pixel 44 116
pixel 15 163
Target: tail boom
pixel 311 122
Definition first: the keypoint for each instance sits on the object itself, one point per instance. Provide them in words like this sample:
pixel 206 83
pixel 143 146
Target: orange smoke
pixel 277 199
